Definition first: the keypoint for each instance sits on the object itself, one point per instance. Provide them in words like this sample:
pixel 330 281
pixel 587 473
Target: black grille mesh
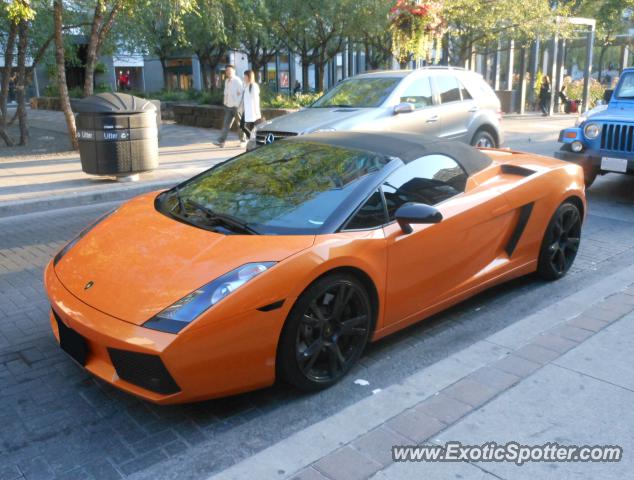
pixel 142 369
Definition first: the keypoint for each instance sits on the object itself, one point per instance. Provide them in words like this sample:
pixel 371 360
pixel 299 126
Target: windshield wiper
pixel 222 219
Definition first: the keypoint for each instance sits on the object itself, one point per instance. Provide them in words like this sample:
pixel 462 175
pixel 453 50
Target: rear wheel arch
pixel 490 130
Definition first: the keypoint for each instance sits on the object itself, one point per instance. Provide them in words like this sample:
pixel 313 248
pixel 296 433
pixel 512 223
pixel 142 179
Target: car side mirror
pixel 410 213
pixel 403 108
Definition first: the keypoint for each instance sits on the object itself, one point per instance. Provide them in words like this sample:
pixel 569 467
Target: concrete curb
pixel 305 447
pixel 118 192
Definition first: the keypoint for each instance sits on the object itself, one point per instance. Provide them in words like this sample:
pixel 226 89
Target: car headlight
pixel 74 241
pixel 591 131
pixel 180 314
pixel 322 130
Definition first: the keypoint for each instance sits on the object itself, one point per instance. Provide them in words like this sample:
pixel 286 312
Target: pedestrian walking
pixel 544 96
pixel 232 100
pixel 251 115
pixel 297 89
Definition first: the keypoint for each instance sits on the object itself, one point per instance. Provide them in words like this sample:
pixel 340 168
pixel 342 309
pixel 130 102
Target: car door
pixel 456 111
pixel 426 117
pixel 437 261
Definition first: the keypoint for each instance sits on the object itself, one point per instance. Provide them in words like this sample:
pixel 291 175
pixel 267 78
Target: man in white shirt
pixel 232 100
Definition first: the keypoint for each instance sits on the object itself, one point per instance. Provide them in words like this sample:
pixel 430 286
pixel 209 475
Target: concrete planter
pixel 211 116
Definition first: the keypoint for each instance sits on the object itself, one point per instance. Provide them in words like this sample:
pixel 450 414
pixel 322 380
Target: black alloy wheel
pixel 326 333
pixel 561 242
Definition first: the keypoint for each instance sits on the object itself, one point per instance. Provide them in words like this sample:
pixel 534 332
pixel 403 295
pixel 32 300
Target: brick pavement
pixel 370 453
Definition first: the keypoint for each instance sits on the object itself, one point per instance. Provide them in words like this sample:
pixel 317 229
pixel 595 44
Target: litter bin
pixel 117 134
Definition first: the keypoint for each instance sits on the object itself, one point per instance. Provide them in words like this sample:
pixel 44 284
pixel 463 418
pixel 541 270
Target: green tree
pixel 15 19
pixel 256 32
pixel 614 17
pixel 476 22
pixel 371 29
pixel 314 30
pixel 159 25
pixel 210 33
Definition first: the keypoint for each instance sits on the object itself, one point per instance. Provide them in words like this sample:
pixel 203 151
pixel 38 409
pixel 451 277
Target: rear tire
pixel 325 333
pixel 560 243
pixel 483 138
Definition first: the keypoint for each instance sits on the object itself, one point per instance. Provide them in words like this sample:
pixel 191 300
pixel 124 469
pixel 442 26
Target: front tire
pixel 484 139
pixel 325 333
pixel 560 243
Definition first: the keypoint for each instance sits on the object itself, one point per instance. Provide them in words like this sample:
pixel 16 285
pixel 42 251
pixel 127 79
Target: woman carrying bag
pixel 250 103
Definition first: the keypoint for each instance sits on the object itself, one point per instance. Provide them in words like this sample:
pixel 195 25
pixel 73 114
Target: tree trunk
pixel 600 66
pixel 305 80
pixel 164 69
pixel 21 81
pixel 6 76
pixel 61 74
pixel 91 51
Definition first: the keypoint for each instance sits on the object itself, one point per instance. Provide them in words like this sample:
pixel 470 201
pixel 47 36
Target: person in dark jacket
pixel 544 96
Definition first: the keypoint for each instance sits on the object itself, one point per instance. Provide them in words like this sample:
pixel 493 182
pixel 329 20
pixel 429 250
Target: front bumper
pixel 591 159
pixel 202 364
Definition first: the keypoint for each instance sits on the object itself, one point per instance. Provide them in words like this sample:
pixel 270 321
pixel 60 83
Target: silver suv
pixel 448 102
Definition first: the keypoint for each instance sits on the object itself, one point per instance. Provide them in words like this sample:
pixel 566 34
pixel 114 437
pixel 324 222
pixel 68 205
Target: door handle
pixel 433 118
pixel 473 109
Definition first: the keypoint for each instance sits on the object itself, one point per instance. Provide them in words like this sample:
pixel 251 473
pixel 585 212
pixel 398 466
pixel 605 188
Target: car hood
pixel 311 119
pixel 140 261
pixel 616 112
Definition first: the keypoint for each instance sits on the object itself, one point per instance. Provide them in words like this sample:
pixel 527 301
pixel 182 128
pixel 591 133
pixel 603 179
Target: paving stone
pixel 142 462
pixel 309 474
pixel 175 448
pixel 604 312
pixel 571 333
pixel 536 353
pixel 517 365
pixel 347 464
pixel 9 472
pixel 377 444
pixel 101 470
pixel 443 408
pixel 36 469
pixel 588 323
pixel 554 342
pixel 494 378
pixel 415 425
pixel 470 392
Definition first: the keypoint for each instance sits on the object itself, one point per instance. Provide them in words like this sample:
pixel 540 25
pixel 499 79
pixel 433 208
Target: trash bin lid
pixel 114 103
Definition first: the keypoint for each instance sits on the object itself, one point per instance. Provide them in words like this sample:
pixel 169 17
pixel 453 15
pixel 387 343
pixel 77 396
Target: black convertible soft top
pixel 406 146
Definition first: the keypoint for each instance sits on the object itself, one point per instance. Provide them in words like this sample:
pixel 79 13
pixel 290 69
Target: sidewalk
pixel 36 181
pixel 561 375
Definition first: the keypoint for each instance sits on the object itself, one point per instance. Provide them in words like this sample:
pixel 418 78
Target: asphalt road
pixel 58 422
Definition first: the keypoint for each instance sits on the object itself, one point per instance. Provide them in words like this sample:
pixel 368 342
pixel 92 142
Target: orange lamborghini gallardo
pixel 284 262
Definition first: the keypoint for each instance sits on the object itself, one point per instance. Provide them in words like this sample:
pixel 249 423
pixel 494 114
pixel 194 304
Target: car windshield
pixel 626 87
pixel 284 188
pixel 358 93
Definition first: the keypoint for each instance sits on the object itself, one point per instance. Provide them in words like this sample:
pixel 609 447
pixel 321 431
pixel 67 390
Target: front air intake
pixel 142 369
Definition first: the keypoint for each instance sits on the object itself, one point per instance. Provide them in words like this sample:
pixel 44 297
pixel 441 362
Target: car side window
pixel 418 94
pixel 370 215
pixel 430 180
pixel 448 88
pixel 464 92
